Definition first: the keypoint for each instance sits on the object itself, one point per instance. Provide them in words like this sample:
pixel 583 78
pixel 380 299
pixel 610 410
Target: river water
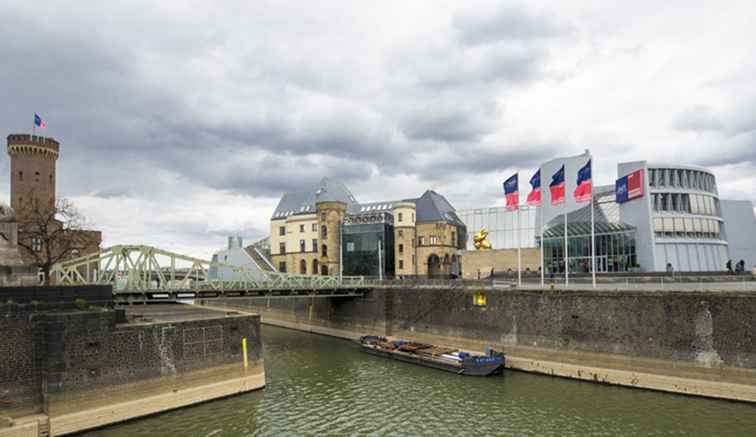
pixel 323 386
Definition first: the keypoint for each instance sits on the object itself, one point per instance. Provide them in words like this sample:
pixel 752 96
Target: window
pixel 433 240
pixel 420 241
pixel 21 176
pixel 50 179
pixel 322 216
pixel 401 264
pixel 301 228
pixel 315 246
pixel 314 267
pixel 302 247
pixel 350 246
pixel 401 248
pixel 454 238
pixel 36 176
pixel 36 244
pixel 282 248
pixel 303 267
pixel 324 250
pixel 282 230
pixel 282 266
pixel 400 234
pixel 400 216
pixel 324 232
pixel 314 227
pixel 413 260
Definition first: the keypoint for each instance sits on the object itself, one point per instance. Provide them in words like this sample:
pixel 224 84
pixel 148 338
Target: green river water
pixel 323 386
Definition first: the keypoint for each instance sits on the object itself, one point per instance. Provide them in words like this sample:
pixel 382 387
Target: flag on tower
pixel 38 121
pixel 584 189
pixel 512 193
pixel 534 197
pixel 557 187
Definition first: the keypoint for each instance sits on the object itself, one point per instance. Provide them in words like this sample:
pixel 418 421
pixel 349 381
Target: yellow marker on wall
pixel 479 299
pixel 244 352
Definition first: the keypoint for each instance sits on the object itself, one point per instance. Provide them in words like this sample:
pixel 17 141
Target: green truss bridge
pixel 141 273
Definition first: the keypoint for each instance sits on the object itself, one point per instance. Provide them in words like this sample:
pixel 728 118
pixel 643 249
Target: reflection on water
pixel 323 386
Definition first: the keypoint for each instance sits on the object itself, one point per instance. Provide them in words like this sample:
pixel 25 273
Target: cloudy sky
pixel 184 121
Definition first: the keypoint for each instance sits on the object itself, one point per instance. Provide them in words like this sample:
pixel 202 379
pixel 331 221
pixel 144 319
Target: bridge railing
pixel 138 267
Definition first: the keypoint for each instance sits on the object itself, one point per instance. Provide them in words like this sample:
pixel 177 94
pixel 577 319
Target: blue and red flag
pixel 512 193
pixel 534 197
pixel 557 187
pixel 584 189
pixel 38 121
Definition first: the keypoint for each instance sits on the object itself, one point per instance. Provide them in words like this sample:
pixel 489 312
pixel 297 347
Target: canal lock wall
pixel 64 370
pixel 698 343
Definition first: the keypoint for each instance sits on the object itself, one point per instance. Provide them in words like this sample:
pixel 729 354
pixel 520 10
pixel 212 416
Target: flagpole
pixel 566 249
pixel 542 242
pixel 593 234
pixel 519 244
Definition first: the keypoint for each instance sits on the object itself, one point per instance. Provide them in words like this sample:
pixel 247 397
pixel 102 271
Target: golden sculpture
pixel 480 240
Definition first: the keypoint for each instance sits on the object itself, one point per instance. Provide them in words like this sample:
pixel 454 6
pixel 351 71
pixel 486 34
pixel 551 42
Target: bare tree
pixel 50 234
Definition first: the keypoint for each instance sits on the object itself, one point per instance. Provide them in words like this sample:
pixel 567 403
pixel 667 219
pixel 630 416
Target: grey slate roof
pixel 430 207
pixel 303 202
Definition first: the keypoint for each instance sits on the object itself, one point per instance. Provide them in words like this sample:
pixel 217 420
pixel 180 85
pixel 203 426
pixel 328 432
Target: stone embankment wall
pixel 705 336
pixel 79 369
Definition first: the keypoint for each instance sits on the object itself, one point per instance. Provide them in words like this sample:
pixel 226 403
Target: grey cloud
pixel 699 119
pixel 448 124
pixel 507 22
pixel 469 159
pixel 737 150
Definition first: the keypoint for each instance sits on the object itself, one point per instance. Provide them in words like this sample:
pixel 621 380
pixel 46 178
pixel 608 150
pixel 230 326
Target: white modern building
pixel 250 258
pixel 673 217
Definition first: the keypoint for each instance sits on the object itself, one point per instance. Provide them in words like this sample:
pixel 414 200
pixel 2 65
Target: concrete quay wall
pixel 66 371
pixel 700 343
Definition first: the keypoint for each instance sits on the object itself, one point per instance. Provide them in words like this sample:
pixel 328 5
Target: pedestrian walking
pixel 729 265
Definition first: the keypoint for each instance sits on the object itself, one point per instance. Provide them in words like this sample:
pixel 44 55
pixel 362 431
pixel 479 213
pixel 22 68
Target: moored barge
pixel 428 355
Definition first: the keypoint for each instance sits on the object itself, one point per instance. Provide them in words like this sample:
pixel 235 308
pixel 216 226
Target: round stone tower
pixel 32 173
pixel 330 217
pixel 405 257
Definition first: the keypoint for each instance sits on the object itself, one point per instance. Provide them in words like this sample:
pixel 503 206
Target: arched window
pixel 324 231
pixel 324 250
pixel 314 267
pixel 303 267
pixel 324 270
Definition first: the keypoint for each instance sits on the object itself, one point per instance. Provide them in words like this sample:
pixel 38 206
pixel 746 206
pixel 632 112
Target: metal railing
pixel 131 268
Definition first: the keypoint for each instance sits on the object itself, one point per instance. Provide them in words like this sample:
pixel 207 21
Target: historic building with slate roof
pixel 326 231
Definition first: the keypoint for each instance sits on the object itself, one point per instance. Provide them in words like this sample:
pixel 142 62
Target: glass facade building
pixel 615 251
pixel 615 240
pixel 360 249
pixel 674 220
pixel 502 226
